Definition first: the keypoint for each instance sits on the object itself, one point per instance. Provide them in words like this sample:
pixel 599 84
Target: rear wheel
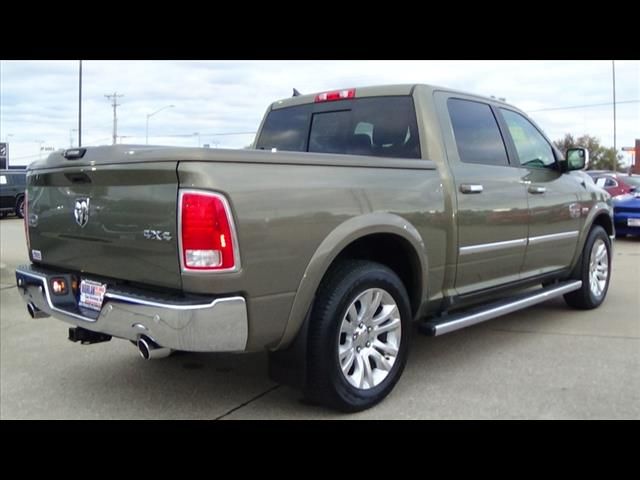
pixel 358 336
pixel 20 207
pixel 594 270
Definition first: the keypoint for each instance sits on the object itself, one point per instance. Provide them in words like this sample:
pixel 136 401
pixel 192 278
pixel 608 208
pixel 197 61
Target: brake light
pixel 336 95
pixel 207 234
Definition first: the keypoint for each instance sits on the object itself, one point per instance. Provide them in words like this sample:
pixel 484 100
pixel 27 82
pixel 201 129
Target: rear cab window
pixel 375 126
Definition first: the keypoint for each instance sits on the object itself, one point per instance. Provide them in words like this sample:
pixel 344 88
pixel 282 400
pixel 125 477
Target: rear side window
pixel 476 132
pixel 377 126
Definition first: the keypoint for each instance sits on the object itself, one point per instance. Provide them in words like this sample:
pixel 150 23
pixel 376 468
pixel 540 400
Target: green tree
pixel 600 157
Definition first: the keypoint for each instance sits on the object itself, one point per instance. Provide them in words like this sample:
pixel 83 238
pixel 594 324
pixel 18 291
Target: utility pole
pixel 115 118
pixel 80 106
pixel 615 156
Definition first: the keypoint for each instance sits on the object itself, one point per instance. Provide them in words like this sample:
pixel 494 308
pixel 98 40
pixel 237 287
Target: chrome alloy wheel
pixel 598 268
pixel 369 338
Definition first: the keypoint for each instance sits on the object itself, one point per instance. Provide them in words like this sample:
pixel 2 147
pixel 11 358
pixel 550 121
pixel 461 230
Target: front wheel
pixel 358 336
pixel 594 269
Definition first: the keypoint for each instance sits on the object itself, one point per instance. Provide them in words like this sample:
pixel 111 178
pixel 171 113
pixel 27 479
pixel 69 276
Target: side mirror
pixel 577 159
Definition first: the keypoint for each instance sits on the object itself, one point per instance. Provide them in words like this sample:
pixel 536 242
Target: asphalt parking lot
pixel 547 362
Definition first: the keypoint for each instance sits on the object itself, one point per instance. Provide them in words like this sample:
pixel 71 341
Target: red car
pixel 615 184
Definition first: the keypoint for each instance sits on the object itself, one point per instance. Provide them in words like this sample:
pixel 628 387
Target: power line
pixel 584 106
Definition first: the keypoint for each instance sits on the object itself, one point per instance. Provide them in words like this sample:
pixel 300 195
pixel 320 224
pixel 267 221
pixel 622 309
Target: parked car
pixel 12 188
pixel 356 212
pixel 614 183
pixel 632 180
pixel 626 214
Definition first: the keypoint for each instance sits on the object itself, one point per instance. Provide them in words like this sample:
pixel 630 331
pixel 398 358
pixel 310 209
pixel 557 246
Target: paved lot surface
pixel 545 362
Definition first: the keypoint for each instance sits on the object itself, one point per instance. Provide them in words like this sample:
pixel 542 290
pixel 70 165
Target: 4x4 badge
pixel 81 211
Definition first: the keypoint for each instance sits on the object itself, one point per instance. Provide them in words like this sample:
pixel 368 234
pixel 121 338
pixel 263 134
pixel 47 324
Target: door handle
pixel 471 188
pixel 536 190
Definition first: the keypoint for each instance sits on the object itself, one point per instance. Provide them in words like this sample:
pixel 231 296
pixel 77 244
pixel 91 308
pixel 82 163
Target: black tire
pixel 326 383
pixel 585 298
pixel 20 207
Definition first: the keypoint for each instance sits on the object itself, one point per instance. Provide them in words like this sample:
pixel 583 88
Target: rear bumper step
pixel 451 323
pixel 209 325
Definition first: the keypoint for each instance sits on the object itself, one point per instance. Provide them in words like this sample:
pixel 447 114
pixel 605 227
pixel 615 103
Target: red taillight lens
pixel 336 95
pixel 207 235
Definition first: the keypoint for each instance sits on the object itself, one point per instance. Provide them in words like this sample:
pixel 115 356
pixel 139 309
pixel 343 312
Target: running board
pixel 451 323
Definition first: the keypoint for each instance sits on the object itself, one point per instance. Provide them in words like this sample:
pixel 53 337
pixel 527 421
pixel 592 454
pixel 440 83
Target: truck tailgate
pixel 115 220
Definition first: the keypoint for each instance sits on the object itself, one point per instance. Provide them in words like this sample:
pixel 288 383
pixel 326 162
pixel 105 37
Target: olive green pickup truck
pixel 356 212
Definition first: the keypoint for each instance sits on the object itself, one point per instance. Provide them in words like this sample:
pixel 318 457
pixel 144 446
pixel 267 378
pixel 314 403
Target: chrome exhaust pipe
pixel 35 312
pixel 150 350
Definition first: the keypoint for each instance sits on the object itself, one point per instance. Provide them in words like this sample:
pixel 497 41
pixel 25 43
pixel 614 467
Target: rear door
pixel 492 211
pixel 554 207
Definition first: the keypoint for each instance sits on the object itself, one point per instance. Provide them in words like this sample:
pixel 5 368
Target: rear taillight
pixel 336 95
pixel 25 212
pixel 207 235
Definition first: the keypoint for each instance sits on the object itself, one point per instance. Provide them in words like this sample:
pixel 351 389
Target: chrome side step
pixel 451 323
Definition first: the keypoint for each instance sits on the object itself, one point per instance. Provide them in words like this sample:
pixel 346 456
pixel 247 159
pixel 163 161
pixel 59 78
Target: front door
pixel 554 207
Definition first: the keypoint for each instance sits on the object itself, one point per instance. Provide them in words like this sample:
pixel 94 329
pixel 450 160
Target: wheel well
pixel 396 253
pixel 605 222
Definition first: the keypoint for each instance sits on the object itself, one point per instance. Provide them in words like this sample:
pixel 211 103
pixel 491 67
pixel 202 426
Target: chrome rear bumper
pixel 200 325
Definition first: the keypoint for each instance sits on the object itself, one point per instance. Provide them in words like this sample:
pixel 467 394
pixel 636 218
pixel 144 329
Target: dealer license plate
pixel 91 294
pixel 633 222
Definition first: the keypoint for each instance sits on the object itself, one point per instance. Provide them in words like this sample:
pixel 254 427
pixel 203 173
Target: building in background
pixel 635 159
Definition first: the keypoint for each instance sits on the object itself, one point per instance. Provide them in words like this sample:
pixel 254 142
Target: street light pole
pixel 149 115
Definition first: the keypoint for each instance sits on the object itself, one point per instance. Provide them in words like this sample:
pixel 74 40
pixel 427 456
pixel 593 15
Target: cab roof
pixel 378 91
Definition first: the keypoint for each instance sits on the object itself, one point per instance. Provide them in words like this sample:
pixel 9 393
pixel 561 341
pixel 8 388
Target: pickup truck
pixel 356 213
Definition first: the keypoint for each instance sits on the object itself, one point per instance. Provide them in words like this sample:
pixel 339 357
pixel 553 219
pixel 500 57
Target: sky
pixel 221 103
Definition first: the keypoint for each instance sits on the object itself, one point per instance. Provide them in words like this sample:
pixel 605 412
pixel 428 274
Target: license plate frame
pixel 91 294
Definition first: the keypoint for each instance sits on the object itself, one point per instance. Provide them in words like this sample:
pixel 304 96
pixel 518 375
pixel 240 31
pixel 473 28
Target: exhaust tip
pixel 151 350
pixel 143 348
